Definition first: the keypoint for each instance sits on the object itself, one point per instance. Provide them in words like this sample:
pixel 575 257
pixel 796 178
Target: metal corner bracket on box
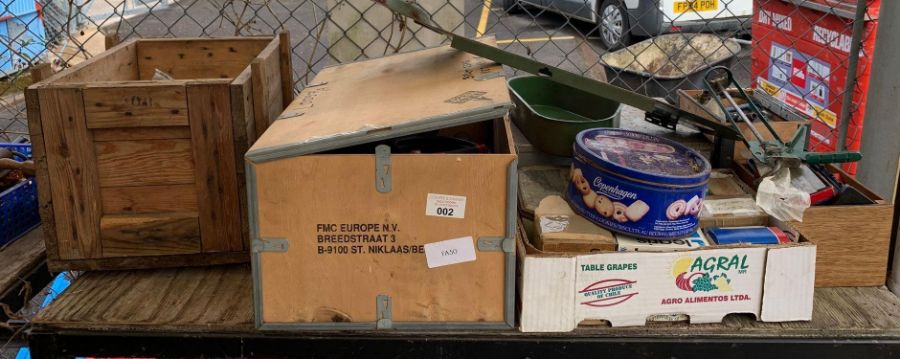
pixel 383 168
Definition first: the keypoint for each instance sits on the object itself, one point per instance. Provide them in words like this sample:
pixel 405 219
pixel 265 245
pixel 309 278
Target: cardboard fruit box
pixel 139 172
pixel 560 291
pixel 362 237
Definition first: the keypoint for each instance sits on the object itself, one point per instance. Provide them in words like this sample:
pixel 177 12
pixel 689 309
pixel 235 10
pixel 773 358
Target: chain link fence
pixel 798 50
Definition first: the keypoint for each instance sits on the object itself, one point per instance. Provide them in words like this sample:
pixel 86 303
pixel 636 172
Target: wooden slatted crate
pixel 136 172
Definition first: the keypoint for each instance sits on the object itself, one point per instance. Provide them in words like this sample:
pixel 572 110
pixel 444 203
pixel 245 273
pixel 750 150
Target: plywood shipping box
pixel 560 291
pixel 340 238
pixel 138 172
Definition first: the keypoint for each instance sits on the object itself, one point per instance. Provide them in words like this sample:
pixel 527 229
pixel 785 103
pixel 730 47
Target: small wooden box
pixel 853 241
pixel 315 267
pixel 138 173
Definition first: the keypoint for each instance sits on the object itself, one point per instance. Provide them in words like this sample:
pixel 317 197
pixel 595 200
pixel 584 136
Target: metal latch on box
pixel 383 168
pixel 383 312
pixel 496 244
pixel 279 245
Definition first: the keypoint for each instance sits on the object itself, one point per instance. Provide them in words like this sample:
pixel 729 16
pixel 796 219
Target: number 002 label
pixel 445 205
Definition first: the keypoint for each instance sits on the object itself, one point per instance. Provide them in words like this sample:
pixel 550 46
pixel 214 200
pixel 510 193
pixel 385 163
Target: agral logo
pixel 608 292
pixel 707 274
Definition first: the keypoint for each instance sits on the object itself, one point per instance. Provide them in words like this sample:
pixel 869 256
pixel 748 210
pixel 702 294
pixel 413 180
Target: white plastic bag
pixel 780 199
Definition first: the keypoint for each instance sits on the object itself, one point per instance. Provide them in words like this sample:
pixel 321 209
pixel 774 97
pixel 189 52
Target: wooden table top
pixel 217 300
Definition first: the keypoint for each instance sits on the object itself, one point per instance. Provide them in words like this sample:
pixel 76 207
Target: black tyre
pixel 511 6
pixel 612 24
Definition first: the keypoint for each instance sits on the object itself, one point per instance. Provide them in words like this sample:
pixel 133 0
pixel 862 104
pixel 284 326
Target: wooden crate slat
pixel 148 235
pixel 287 72
pixel 149 199
pixel 244 131
pixel 76 203
pixel 42 177
pixel 267 87
pixel 148 162
pixel 116 64
pixel 216 183
pixel 141 133
pixel 117 107
pixel 197 58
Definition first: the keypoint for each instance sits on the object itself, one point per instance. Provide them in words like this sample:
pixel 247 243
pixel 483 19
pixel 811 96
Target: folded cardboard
pixel 723 183
pixel 559 229
pixel 626 243
pixel 731 212
pixel 773 283
pixel 385 240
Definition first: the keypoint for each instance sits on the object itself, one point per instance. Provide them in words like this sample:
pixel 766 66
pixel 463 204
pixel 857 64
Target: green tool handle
pixel 832 157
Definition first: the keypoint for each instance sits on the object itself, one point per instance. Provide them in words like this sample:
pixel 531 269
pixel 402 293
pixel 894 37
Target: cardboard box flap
pixel 548 302
pixel 386 97
pixel 788 288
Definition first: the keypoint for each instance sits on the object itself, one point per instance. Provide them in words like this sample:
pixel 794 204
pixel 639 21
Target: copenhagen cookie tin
pixel 637 184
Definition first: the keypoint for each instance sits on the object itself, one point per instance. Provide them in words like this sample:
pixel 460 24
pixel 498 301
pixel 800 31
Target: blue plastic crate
pixel 19 204
pixel 15 8
pixel 23 39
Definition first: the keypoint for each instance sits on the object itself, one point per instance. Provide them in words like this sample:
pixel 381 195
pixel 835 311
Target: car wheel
pixel 612 20
pixel 511 6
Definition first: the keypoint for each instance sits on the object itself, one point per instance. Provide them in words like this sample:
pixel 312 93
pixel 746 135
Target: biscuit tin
pixel 637 184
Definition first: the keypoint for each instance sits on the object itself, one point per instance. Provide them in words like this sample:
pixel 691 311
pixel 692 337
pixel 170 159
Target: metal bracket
pixel 383 168
pixel 496 244
pixel 278 245
pixel 383 312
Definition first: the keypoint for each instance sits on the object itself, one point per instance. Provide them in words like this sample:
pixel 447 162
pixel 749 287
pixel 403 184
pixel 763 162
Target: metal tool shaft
pixel 742 114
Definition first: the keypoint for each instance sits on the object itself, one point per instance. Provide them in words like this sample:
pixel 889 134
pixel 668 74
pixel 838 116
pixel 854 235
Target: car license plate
pixel 696 5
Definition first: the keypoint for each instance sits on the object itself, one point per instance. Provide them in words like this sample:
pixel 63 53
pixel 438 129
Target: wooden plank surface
pixel 158 300
pixel 42 173
pixel 149 199
pixel 285 53
pixel 215 170
pixel 267 86
pixel 150 234
pixel 218 300
pixel 146 162
pixel 142 133
pixel 116 64
pixel 135 106
pixel 20 257
pixel 150 262
pixel 197 58
pixel 244 133
pixel 72 169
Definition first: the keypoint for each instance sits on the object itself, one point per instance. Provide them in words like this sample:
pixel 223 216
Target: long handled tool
pixel 773 153
pixel 657 112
